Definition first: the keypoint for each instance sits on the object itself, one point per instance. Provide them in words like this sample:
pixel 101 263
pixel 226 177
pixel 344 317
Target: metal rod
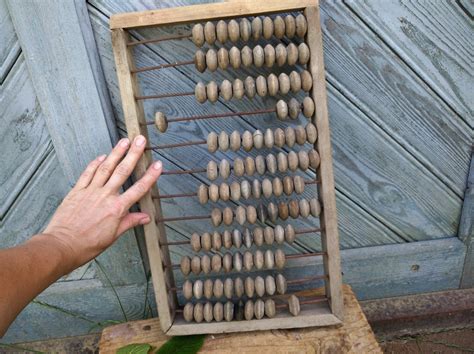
pixel 304 280
pixel 162 39
pixel 303 255
pixel 179 195
pixel 165 95
pixel 180 218
pixel 162 66
pixel 168 146
pixel 308 231
pixel 183 172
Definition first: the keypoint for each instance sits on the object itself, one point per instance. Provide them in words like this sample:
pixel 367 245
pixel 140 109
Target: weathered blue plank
pixel 9 47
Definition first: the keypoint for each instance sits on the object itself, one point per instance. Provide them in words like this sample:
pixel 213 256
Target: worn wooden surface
pixel 354 336
pixel 466 230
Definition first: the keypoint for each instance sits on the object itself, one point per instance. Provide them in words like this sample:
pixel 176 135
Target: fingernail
pixel 145 220
pixel 101 158
pixel 124 142
pixel 139 140
pixel 157 165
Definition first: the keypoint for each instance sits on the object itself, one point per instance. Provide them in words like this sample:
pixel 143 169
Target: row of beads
pixel 258 140
pixel 256 189
pixel 258 236
pixel 229 287
pixel 271 86
pixel 258 56
pixel 282 162
pixel 234 31
pixel 229 262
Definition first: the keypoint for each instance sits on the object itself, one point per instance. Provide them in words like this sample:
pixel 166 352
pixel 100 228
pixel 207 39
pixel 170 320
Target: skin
pixel 91 218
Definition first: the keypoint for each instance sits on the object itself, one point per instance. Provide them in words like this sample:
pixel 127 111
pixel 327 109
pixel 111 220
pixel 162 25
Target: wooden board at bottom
pixel 311 315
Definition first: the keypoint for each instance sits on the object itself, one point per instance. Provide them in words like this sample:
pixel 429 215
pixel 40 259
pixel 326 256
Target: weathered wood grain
pixel 9 46
pixel 466 230
pixel 434 38
pixel 468 7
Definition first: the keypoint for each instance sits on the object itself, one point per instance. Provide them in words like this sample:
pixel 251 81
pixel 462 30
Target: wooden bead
pixel 248 310
pixel 269 259
pixel 294 208
pixel 249 85
pixel 205 264
pixel 223 58
pixel 221 31
pixel 294 108
pixel 258 259
pixel 227 239
pixel 247 140
pixel 245 29
pixel 238 89
pixel 258 56
pixel 301 25
pixel 237 261
pixel 270 286
pixel 199 93
pixel 212 142
pixel 188 290
pixel 198 289
pixel 281 284
pixel 281 56
pixel 279 137
pixel 224 169
pixel 292 161
pixel 261 84
pixel 227 262
pixel 272 84
pixel 270 54
pixel 283 211
pixel 268 138
pixel 216 263
pixel 240 215
pixel 238 287
pixel 229 311
pixel 267 27
pixel 235 190
pixel 239 311
pixel 251 214
pixel 239 167
pixel 282 161
pixel 268 235
pixel 308 107
pixel 210 32
pixel 290 26
pixel 218 312
pixel 224 192
pixel 298 182
pixel 246 56
pixel 223 141
pixel 311 133
pixel 279 27
pixel 234 57
pixel 304 208
pixel 290 137
pixel 206 241
pixel 262 214
pixel 185 265
pixel 195 242
pixel 306 80
pixel 315 207
pixel 257 139
pixel 216 241
pixel 226 90
pixel 249 286
pixel 198 34
pixel 233 30
pixel 216 217
pixel 227 216
pixel 218 288
pixel 280 259
pixel 272 212
pixel 271 163
pixel 208 286
pixel 284 83
pixel 200 61
pixel 259 309
pixel 248 260
pixel 247 238
pixel 300 133
pixel 196 265
pixel 236 238
pixel 267 188
pixel 282 110
pixel 279 233
pixel 292 54
pixel 295 81
pixel 245 189
pixel 213 192
pixel 303 160
pixel 229 288
pixel 290 234
pixel 203 194
pixel 294 305
pixel 270 308
pixel 211 60
pixel 249 166
pixel 257 28
pixel 277 187
pixel 314 158
pixel 260 164
pixel 259 286
pixel 258 236
pixel 188 312
pixel 288 185
pixel 303 53
pixel 198 312
pixel 212 91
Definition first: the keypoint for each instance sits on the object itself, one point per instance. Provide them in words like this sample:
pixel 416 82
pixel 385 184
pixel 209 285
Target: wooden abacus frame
pixel 319 314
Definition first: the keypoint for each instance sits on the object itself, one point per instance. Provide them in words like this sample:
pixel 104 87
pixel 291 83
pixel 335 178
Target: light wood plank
pixel 9 46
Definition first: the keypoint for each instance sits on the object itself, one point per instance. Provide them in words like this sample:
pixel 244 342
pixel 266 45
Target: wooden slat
pixel 466 230
pixel 204 12
pixel 9 46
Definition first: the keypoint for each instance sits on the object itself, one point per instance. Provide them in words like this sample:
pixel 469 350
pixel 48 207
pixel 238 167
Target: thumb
pixel 131 220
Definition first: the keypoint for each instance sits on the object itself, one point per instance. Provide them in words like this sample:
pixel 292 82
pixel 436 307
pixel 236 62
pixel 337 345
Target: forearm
pixel 25 271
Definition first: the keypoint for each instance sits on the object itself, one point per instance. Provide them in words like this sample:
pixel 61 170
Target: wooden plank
pixel 9 46
pixel 65 83
pixel 203 12
pixel 467 6
pixel 434 38
pixel 466 230
pixel 326 190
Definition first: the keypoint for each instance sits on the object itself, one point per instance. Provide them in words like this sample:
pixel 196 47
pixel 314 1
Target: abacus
pixel 235 280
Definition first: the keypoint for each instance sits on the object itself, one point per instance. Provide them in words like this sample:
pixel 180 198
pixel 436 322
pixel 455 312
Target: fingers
pixel 143 185
pixel 132 220
pixel 125 168
pixel 108 166
pixel 86 177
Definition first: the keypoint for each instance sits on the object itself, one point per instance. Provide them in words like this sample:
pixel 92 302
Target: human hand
pixel 94 214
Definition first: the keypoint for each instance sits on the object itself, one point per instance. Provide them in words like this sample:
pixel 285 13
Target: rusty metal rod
pixel 307 231
pixel 183 172
pixel 181 218
pixel 162 66
pixel 165 95
pixel 155 40
pixel 168 146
